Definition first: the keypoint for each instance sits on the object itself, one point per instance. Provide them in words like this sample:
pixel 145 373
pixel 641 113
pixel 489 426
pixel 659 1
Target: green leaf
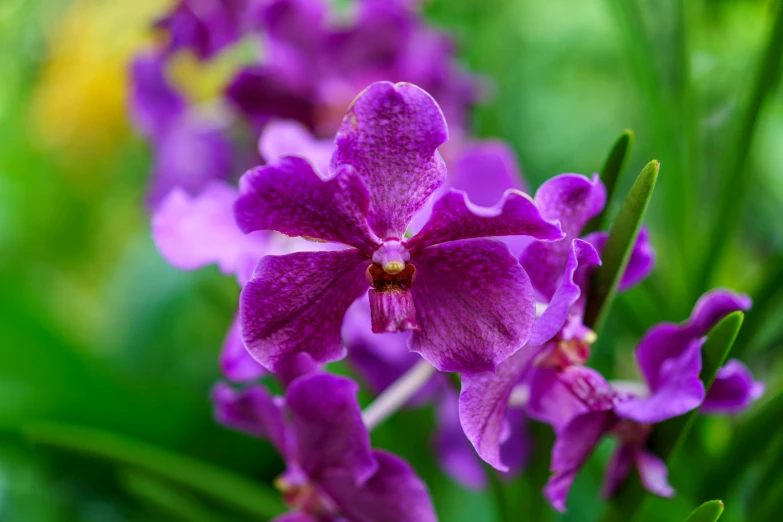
pixel 217 483
pixel 609 176
pixel 164 496
pixel 707 512
pixel 669 435
pixel 617 251
pixel 748 442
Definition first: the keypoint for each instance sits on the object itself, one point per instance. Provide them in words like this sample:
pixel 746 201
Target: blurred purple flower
pixel 384 168
pixel 313 67
pixel 191 232
pixel 332 473
pixel 206 27
pixel 191 149
pixel 669 357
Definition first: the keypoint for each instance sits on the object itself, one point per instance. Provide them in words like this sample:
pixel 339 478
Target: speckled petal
pixel 390 136
pixel 454 217
pixel 330 433
pixel 296 303
pixel 474 305
pixel 291 198
pixel 483 402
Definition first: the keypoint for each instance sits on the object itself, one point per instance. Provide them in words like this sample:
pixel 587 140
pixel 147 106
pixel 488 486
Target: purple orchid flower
pixel 733 390
pixel 484 171
pixel 191 149
pixel 384 169
pixel 314 68
pixel 559 272
pixel 332 474
pixel 669 357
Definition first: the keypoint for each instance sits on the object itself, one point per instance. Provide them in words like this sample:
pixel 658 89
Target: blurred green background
pixel 97 330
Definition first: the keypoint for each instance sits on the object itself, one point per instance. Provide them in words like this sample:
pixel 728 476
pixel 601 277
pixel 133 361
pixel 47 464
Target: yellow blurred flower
pixel 79 104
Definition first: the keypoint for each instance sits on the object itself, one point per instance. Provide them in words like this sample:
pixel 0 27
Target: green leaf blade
pixel 610 173
pixel 707 512
pixel 217 483
pixel 617 251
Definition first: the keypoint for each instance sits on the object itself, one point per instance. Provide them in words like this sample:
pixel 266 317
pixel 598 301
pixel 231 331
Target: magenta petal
pixel 254 411
pixel 619 467
pixel 454 217
pixel 733 390
pixel 390 136
pixel 474 305
pixel 642 259
pixel 485 170
pixel 568 292
pixel 455 452
pixel 653 474
pixel 235 361
pixel 392 311
pixel 290 138
pixel 330 433
pixel 574 444
pixel 192 232
pixel 393 494
pixel 291 198
pixel 483 402
pixel 678 390
pixel 296 303
pixel 669 340
pixel 571 199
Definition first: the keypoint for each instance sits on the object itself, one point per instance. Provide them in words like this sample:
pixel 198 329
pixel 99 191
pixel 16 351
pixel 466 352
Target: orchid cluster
pixel 368 237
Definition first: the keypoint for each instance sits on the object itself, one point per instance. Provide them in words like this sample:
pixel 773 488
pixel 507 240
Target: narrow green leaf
pixel 164 496
pixel 609 176
pixel 217 483
pixel 669 435
pixel 617 251
pixel 707 512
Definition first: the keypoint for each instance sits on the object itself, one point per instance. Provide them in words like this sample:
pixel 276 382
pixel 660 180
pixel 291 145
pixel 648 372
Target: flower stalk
pixel 396 395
